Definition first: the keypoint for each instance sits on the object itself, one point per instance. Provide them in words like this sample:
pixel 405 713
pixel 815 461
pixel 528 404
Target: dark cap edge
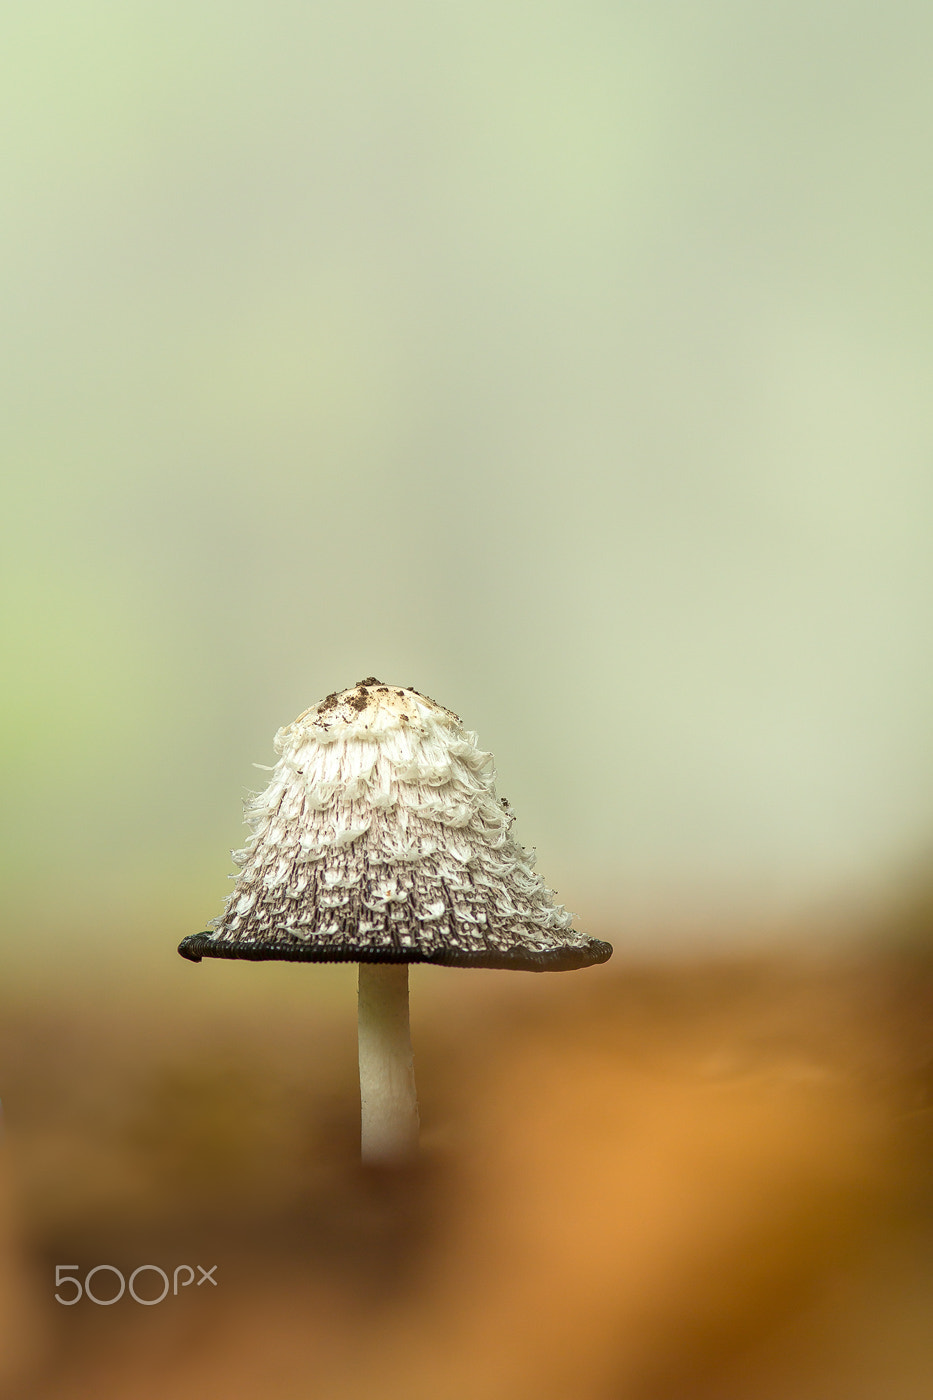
pixel 201 945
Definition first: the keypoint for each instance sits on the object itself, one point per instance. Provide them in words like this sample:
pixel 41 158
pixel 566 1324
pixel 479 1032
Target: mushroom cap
pixel 381 839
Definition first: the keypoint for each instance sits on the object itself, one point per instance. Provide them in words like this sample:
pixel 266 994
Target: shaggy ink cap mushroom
pixel 380 841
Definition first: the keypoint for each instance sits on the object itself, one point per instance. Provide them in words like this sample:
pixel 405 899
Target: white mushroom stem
pixel 387 1073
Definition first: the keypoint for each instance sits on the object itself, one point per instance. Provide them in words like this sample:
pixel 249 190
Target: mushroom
pixel 380 840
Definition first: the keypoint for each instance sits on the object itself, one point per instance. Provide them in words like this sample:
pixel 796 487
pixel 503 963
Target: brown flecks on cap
pixel 412 691
pixel 365 694
pixel 328 703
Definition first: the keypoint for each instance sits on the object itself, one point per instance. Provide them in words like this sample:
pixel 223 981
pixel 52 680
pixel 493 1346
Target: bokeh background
pixel 570 362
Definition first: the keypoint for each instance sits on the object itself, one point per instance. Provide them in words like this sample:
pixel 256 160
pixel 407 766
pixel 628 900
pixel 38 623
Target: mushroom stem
pixel 387 1074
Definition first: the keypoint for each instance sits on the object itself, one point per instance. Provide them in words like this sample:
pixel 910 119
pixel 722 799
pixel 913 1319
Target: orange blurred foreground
pixel 703 1181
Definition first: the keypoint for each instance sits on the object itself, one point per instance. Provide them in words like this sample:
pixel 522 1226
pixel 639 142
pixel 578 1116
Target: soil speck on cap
pixel 327 706
pixel 367 692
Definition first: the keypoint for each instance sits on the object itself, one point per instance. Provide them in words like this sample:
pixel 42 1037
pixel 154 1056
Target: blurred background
pixel 572 364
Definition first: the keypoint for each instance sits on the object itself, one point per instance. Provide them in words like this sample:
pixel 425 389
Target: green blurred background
pixel 569 362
